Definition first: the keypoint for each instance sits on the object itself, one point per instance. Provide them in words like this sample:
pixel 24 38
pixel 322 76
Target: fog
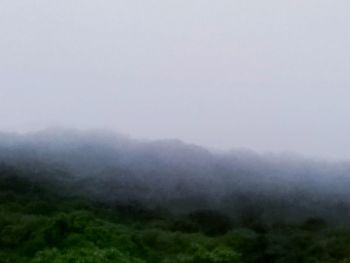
pixel 271 76
pixel 177 177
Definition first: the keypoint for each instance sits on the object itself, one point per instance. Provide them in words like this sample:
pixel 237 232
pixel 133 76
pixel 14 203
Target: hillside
pixel 95 197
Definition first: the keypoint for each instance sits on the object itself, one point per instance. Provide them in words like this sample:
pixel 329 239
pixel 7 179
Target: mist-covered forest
pixel 70 196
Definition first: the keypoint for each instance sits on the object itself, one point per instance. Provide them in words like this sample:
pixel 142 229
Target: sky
pixel 271 76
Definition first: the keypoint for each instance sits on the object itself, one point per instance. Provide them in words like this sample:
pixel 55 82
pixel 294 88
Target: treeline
pixel 68 196
pixel 39 223
pixel 180 178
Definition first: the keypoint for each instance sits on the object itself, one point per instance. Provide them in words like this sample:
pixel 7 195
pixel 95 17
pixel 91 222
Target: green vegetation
pixel 39 223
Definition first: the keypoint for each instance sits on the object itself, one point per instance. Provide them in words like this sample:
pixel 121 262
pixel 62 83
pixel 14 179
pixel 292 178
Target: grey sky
pixel 266 75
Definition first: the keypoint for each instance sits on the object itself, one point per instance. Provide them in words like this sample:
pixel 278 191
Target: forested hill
pixel 39 223
pixel 179 177
pixel 99 198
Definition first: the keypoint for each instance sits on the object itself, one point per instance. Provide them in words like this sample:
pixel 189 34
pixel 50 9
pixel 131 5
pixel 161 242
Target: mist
pixel 269 76
pixel 178 177
pixel 178 131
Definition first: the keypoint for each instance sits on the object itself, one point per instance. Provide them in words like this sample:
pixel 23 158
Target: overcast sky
pixel 265 75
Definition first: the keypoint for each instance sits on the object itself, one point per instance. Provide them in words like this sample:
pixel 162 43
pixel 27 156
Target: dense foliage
pixel 40 223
